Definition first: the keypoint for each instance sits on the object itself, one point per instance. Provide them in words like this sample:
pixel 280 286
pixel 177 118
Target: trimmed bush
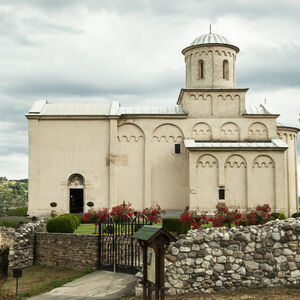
pixel 296 215
pixel 282 216
pixel 78 217
pixel 72 216
pixel 19 211
pixel 173 225
pixel 62 224
pixel 275 215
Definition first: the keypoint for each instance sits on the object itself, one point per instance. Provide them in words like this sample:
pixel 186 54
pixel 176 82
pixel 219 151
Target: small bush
pixel 53 204
pixel 78 217
pixel 275 215
pixel 72 216
pixel 296 215
pixel 62 224
pixel 90 204
pixel 19 211
pixel 173 225
pixel 282 216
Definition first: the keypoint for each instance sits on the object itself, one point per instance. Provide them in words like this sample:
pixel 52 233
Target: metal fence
pixel 117 251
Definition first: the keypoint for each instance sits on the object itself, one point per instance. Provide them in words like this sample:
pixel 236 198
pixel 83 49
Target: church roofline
pixel 274 144
pixel 210 45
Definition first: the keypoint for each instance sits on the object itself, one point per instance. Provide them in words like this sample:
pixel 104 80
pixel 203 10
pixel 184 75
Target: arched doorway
pixel 76 188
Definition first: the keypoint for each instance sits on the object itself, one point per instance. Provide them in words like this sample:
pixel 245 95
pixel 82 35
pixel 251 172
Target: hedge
pixel 296 215
pixel 275 215
pixel 173 225
pixel 61 224
pixel 19 211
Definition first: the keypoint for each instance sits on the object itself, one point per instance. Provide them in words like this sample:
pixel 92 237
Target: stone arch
pixel 263 175
pixel 129 132
pixel 206 183
pixel 258 131
pixel 236 180
pixel 76 180
pixel 229 132
pixel 201 131
pixel 167 132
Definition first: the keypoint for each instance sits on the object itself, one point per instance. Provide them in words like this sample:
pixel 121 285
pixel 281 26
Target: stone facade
pixel 66 249
pixel 21 243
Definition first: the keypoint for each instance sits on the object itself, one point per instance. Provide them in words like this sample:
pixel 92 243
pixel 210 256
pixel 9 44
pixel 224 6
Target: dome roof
pixel 210 38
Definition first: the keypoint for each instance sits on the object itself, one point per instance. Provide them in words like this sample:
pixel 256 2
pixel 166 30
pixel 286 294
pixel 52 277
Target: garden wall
pixel 21 244
pixel 67 249
pixel 212 259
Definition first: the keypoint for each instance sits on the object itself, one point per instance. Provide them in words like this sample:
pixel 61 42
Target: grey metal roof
pixel 210 38
pixel 152 110
pixel 262 109
pixel 274 143
pixel 42 107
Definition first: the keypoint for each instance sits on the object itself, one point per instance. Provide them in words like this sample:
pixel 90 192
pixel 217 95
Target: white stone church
pixel 208 148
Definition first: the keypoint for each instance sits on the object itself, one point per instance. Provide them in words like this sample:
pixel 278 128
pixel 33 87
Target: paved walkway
pixel 96 285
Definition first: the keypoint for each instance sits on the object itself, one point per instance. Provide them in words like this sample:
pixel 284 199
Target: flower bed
pixel 227 217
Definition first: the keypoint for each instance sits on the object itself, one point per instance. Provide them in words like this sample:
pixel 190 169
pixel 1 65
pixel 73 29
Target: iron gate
pixel 117 251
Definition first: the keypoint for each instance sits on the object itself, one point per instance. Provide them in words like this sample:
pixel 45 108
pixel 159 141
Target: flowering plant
pixel 194 218
pixel 153 213
pixel 225 216
pixel 261 215
pixel 102 213
pixel 124 210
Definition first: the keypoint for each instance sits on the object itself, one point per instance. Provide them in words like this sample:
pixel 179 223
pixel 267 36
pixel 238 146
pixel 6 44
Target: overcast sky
pixel 130 50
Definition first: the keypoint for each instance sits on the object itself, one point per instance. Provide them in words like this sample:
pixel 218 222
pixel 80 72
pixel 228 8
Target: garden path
pixel 96 285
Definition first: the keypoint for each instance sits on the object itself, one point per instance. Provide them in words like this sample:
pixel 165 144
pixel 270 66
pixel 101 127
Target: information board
pixel 151 264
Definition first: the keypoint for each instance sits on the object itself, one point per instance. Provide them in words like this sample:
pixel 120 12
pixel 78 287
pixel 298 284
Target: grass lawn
pixel 39 279
pixel 90 228
pixel 85 229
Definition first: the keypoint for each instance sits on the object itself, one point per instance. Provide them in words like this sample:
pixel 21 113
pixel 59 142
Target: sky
pixel 130 51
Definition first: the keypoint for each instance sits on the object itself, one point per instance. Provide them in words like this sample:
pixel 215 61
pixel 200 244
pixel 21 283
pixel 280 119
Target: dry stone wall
pixel 67 249
pixel 21 244
pixel 213 259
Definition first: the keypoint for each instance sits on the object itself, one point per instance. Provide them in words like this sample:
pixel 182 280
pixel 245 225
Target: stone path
pixel 97 285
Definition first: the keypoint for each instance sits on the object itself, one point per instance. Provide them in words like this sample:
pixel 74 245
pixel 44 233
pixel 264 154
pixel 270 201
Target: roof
pixel 211 39
pixel 275 144
pixel 43 108
pixel 262 109
pixel 149 233
pixel 146 232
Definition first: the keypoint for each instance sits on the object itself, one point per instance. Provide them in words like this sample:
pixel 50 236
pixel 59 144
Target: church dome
pixel 210 38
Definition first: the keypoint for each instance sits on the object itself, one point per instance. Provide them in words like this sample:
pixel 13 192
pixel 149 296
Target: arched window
pixel 225 69
pixel 201 69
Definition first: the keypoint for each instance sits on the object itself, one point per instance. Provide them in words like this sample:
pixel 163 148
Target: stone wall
pixel 212 259
pixel 21 244
pixel 66 249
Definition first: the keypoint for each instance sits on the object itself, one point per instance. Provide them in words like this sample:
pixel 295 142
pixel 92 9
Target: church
pixel 207 148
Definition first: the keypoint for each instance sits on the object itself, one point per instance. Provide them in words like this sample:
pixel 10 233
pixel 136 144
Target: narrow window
pixel 201 69
pixel 221 194
pixel 225 69
pixel 177 148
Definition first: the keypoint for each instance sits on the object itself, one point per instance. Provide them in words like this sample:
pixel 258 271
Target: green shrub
pixel 19 211
pixel 72 216
pixel 4 251
pixel 78 217
pixel 282 216
pixel 173 225
pixel 275 215
pixel 12 221
pixel 62 224
pixel 296 215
